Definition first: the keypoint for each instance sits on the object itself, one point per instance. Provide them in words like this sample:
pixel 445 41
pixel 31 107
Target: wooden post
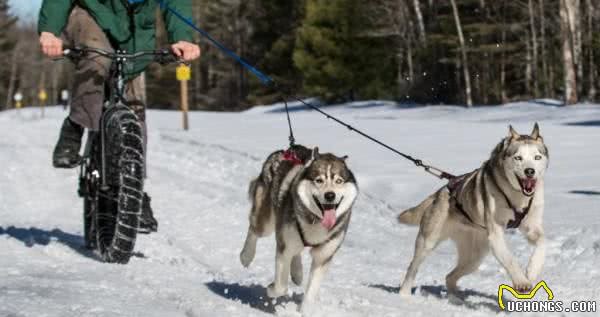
pixel 13 77
pixel 184 74
pixel 43 96
pixel 184 104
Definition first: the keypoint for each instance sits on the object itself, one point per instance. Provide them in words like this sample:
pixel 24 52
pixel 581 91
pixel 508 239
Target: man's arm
pixel 177 30
pixel 54 15
pixel 179 33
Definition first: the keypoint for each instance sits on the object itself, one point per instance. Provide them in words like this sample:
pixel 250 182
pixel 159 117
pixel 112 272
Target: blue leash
pixel 268 81
pixel 264 78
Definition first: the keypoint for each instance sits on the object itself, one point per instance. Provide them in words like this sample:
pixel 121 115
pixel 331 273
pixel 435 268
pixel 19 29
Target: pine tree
pixel 337 58
pixel 275 24
pixel 7 44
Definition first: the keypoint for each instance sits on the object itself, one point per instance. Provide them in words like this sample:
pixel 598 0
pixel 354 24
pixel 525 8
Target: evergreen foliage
pixel 337 58
pixel 7 44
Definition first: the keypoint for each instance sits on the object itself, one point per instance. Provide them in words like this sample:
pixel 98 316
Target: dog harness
pixel 456 184
pixel 330 236
pixel 290 156
pixel 306 244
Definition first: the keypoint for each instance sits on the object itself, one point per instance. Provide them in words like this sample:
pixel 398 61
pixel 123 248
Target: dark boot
pixel 66 152
pixel 148 223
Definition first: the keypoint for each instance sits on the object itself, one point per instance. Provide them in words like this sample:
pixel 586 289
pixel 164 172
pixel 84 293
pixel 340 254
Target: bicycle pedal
pixel 62 164
pixel 145 231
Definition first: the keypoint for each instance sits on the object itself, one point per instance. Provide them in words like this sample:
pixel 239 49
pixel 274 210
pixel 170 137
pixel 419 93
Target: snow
pixel 198 181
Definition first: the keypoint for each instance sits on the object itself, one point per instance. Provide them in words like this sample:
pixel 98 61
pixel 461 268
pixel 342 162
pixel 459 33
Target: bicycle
pixel 112 170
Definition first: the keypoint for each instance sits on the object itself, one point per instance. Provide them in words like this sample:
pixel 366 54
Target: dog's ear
pixel 344 158
pixel 315 153
pixel 535 134
pixel 512 133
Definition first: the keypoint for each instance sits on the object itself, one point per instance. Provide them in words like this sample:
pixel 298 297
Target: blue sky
pixel 25 9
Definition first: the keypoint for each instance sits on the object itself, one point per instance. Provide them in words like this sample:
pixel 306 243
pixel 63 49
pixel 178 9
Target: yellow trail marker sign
pixel 43 95
pixel 184 72
pixel 18 97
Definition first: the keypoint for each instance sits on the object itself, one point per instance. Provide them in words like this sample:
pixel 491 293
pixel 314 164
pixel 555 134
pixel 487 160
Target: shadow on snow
pixel 34 236
pixel 441 292
pixel 591 123
pixel 254 296
pixel 585 192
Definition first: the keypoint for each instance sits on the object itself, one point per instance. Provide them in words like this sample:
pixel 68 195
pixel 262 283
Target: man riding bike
pixel 110 25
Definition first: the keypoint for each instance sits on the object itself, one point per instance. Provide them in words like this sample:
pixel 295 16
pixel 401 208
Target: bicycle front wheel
pixel 120 207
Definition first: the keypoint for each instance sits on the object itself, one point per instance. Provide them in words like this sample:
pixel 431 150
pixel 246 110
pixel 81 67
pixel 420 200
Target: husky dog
pixel 507 191
pixel 307 199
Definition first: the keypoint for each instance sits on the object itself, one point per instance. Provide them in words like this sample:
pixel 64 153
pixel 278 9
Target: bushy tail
pixel 252 188
pixel 413 215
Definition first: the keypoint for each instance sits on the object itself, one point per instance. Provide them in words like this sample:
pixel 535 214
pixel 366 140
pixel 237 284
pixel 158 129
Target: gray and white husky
pixel 307 199
pixel 474 210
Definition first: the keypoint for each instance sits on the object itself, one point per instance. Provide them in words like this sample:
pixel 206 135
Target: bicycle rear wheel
pixel 120 206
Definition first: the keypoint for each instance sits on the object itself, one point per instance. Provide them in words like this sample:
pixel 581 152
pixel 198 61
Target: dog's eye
pixel 518 158
pixel 319 181
pixel 538 157
pixel 339 181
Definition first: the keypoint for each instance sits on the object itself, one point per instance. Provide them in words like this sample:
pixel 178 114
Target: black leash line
pixel 419 163
pixel 289 120
pixel 268 81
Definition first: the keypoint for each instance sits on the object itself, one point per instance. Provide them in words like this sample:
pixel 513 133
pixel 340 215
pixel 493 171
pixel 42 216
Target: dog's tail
pixel 413 215
pixel 252 188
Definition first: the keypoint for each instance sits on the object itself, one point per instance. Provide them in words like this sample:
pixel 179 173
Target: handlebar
pixel 163 56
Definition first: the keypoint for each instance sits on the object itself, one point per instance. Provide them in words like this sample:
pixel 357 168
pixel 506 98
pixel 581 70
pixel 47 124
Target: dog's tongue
pixel 328 220
pixel 529 184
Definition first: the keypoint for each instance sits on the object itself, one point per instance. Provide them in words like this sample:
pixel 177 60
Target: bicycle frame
pixel 112 186
pixel 116 84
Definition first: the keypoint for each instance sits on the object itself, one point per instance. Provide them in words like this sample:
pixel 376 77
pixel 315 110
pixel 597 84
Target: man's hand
pixel 52 46
pixel 186 50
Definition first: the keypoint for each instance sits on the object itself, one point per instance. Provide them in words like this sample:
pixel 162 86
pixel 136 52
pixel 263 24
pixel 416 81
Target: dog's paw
pixel 405 291
pixel 456 298
pixel 533 273
pixel 451 285
pixel 531 277
pixel 274 292
pixel 522 286
pixel 246 257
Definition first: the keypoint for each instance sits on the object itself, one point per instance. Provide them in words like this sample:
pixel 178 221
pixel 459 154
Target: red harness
pixel 290 156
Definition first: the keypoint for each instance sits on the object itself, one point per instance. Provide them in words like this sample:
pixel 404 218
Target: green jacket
pixel 114 18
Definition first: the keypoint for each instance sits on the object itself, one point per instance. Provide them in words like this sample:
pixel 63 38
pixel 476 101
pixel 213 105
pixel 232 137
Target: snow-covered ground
pixel 198 181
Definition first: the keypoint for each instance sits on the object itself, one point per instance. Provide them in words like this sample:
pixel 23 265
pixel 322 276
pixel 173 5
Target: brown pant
pixel 92 72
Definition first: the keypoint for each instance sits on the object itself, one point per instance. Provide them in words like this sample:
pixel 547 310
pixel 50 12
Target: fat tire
pixel 120 207
pixel 89 236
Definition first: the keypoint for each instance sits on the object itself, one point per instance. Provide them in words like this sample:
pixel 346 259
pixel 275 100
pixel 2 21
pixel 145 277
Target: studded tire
pixel 120 207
